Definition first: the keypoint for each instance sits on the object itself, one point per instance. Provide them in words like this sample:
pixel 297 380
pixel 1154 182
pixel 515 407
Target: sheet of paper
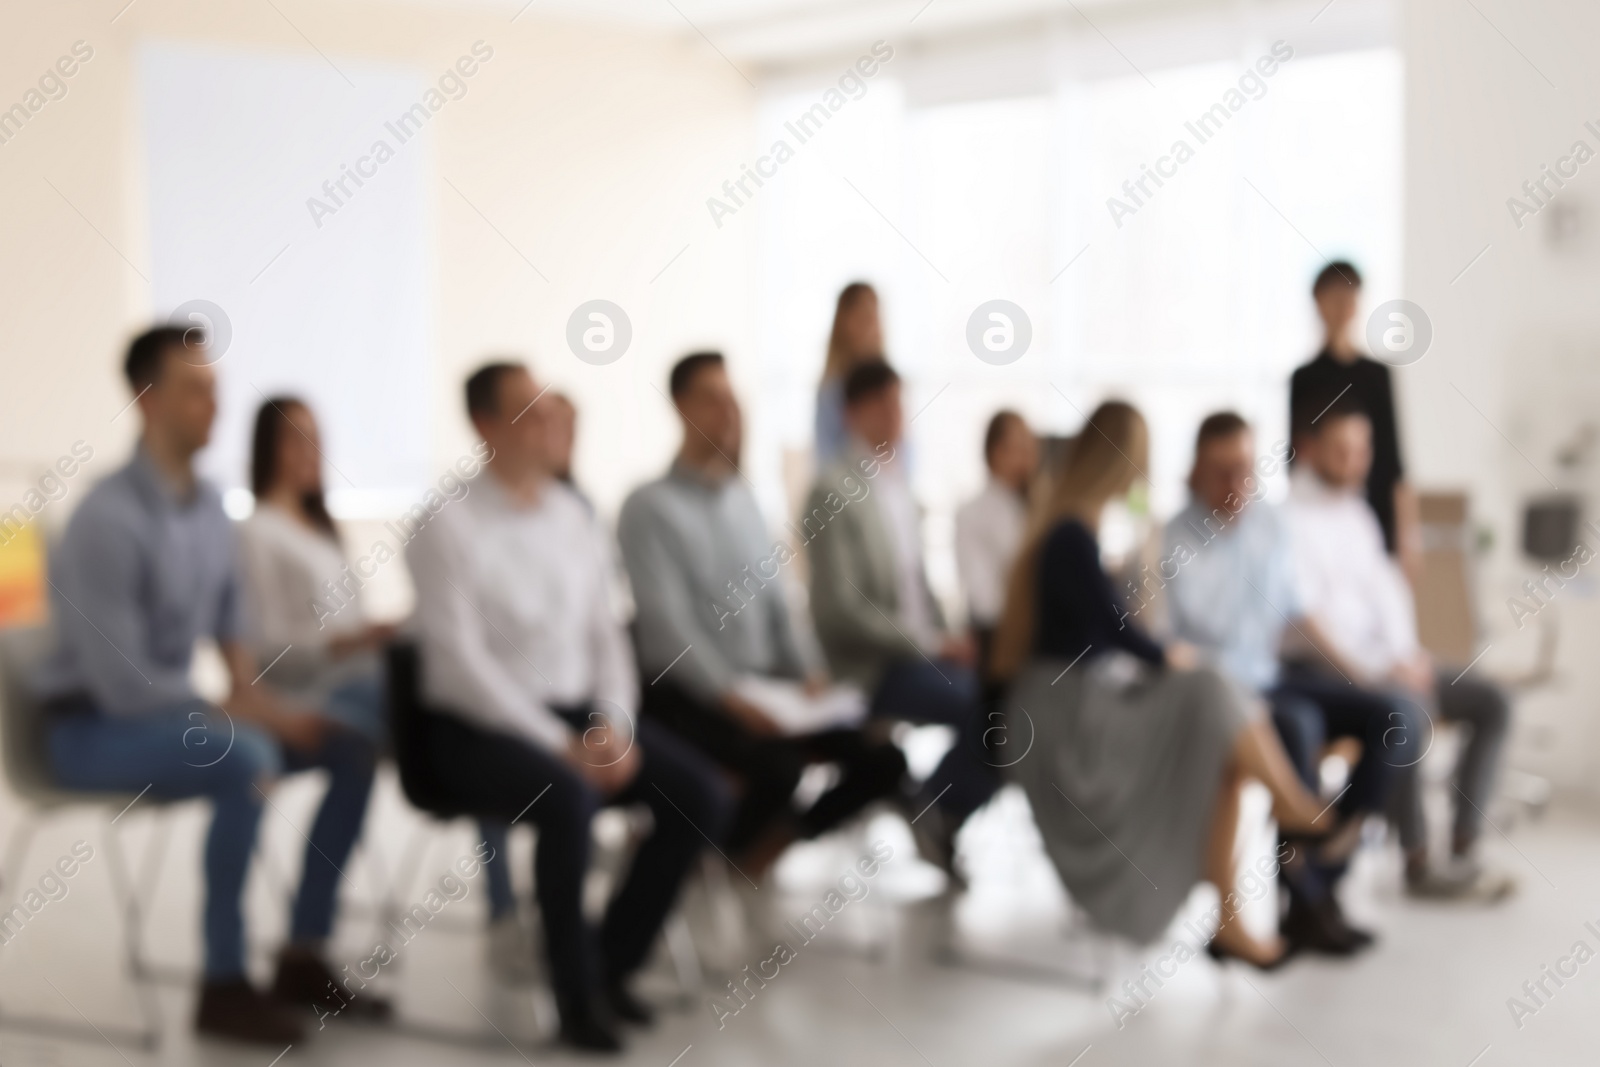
pixel 796 713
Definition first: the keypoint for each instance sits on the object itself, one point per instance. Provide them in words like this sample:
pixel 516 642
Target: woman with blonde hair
pixel 1138 757
pixel 857 337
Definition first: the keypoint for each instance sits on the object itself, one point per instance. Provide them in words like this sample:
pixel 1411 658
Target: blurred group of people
pixel 1290 629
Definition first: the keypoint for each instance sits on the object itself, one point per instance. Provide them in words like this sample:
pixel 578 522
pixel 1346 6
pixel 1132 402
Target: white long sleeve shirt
pixel 989 531
pixel 514 613
pixel 1344 577
pixel 289 570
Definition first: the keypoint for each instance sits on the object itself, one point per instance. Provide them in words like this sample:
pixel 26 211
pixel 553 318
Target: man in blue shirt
pixel 1229 580
pixel 147 568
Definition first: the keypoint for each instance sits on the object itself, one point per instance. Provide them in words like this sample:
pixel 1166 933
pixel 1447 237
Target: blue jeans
pixel 361 704
pixel 949 694
pixel 192 749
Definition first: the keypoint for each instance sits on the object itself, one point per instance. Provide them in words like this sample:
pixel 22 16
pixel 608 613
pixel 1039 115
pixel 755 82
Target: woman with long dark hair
pixel 306 605
pixel 1138 757
pixel 310 625
pixel 323 660
pixel 856 337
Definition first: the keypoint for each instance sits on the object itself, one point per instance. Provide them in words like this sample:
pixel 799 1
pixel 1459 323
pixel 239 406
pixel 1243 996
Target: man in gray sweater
pixel 877 618
pixel 711 612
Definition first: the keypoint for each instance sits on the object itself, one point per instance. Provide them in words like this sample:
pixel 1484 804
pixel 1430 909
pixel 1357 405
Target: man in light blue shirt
pixel 1232 597
pixel 146 568
pixel 1228 575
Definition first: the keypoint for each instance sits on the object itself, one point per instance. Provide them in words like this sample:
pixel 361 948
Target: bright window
pixel 1198 301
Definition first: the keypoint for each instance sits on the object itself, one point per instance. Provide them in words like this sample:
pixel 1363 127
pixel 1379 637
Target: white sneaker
pixel 511 951
pixel 1492 885
pixel 1462 878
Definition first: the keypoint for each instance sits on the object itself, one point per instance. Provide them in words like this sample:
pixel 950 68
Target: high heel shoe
pixel 1222 955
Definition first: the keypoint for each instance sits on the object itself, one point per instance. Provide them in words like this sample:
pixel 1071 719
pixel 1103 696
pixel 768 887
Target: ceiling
pixel 778 33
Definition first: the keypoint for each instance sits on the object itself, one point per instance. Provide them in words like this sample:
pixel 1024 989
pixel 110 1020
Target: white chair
pixel 26 766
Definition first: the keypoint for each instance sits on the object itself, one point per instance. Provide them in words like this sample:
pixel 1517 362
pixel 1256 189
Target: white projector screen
pixel 333 307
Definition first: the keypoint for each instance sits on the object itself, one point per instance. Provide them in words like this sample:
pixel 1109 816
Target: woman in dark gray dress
pixel 1138 757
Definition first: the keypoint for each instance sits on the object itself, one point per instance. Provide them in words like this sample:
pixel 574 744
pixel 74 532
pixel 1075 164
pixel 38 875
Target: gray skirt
pixel 1123 777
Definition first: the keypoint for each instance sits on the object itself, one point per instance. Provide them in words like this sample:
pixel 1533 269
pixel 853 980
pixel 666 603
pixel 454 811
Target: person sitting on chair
pixel 712 613
pixel 990 526
pixel 307 620
pixel 1359 598
pixel 531 684
pixel 876 616
pixel 1139 754
pixel 147 567
pixel 1230 594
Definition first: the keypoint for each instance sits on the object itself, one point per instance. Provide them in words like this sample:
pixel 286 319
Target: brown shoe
pixel 304 981
pixel 233 1009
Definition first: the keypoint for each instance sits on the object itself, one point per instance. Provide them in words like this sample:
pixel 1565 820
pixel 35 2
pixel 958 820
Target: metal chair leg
pixel 132 925
pixel 416 851
pixel 149 877
pixel 727 910
pixel 685 958
pixel 17 852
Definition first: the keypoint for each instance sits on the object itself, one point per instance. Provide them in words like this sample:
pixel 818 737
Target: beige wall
pixel 592 151
pixel 1519 333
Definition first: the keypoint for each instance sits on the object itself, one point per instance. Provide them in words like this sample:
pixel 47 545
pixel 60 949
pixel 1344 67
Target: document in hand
pixel 786 702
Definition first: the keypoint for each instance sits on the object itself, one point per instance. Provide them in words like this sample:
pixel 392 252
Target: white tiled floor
pixel 871 989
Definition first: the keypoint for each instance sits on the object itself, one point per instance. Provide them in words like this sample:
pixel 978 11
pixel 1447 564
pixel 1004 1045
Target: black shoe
pixel 590 1031
pixel 1319 926
pixel 235 1010
pixel 305 981
pixel 1222 955
pixel 627 1007
pixel 936 841
pixel 1359 937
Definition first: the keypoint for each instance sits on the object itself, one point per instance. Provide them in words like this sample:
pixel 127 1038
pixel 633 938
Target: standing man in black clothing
pixel 1339 369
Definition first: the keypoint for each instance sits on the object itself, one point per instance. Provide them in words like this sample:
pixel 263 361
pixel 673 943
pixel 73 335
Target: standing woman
pixel 308 624
pixel 857 337
pixel 1138 758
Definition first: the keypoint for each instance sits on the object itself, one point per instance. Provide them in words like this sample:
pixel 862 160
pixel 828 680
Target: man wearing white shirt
pixel 990 526
pixel 532 680
pixel 1358 597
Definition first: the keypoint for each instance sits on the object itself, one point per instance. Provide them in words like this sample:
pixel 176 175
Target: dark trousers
pixel 1310 709
pixel 496 775
pixel 1482 711
pixel 769 768
pixel 1398 729
pixel 944 692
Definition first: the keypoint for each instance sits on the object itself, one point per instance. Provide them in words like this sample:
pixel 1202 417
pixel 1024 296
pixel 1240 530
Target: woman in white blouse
pixel 305 608
pixel 307 621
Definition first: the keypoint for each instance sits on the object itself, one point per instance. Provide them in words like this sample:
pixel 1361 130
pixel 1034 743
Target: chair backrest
pixel 404 667
pixel 1447 622
pixel 21 718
